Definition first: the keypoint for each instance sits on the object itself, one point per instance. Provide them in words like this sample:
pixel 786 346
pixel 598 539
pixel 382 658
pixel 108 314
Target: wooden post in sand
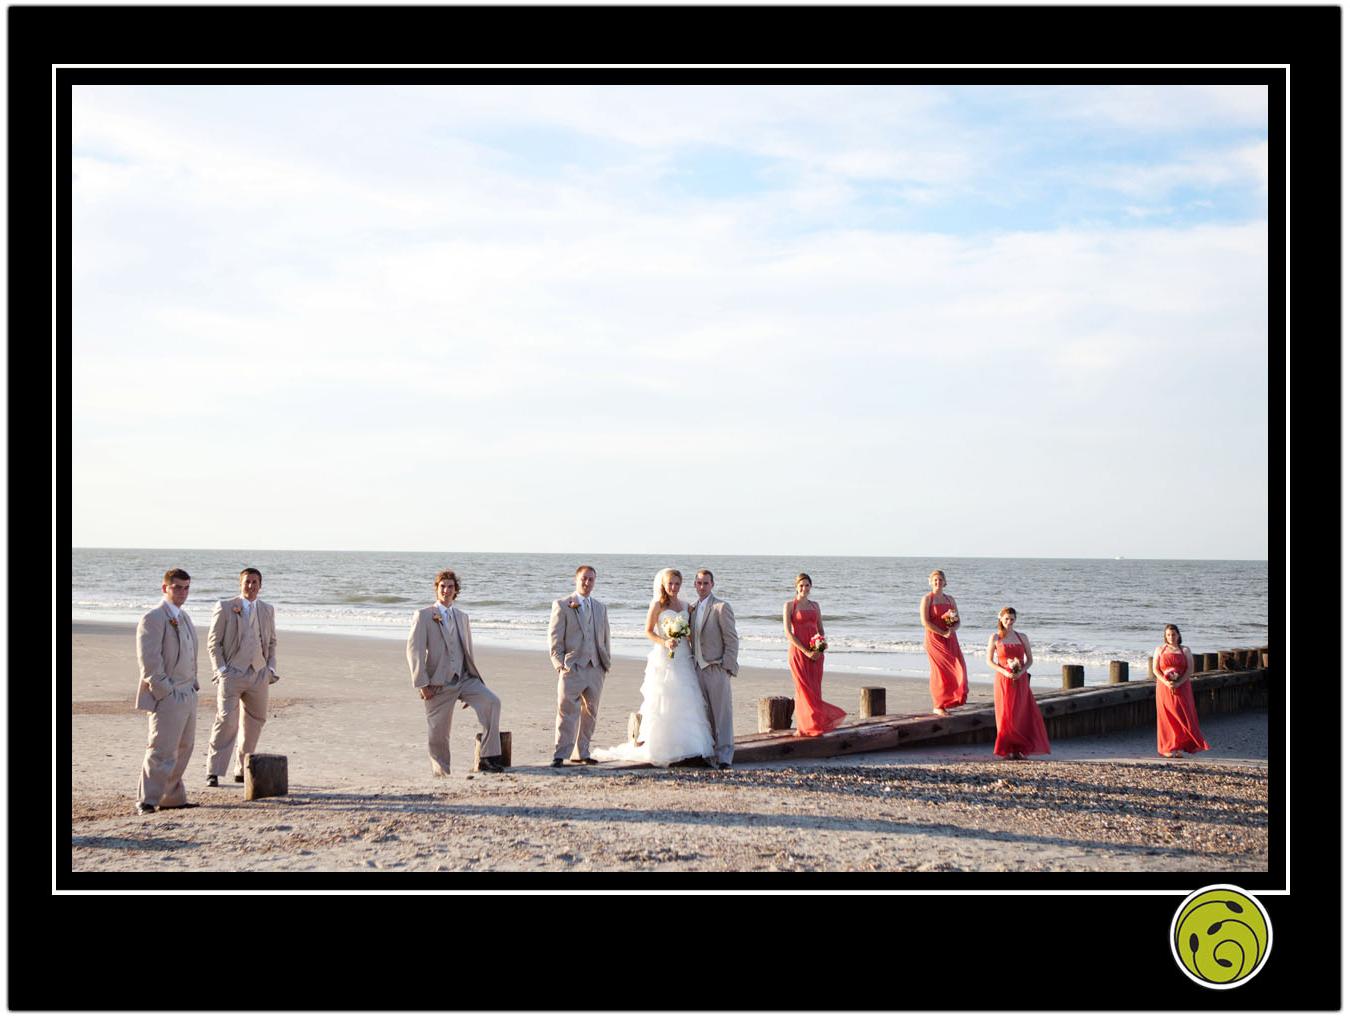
pixel 1073 676
pixel 1230 660
pixel 1265 658
pixel 871 701
pixel 1120 671
pixel 504 758
pixel 1211 662
pixel 775 714
pixel 264 776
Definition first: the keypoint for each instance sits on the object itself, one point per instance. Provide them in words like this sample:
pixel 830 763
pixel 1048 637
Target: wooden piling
pixel 1211 661
pixel 264 776
pixel 775 714
pixel 504 758
pixel 1230 659
pixel 1073 676
pixel 871 701
pixel 1120 671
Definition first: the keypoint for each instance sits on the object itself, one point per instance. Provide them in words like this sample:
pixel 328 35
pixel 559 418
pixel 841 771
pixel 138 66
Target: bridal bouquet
pixel 1015 667
pixel 818 643
pixel 675 627
pixel 950 618
pixel 1171 675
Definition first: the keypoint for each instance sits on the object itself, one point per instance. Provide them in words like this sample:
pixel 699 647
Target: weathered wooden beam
pixel 1076 712
pixel 1120 671
pixel 1073 676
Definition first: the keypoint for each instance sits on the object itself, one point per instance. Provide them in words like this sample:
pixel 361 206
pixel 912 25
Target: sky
pixel 815 320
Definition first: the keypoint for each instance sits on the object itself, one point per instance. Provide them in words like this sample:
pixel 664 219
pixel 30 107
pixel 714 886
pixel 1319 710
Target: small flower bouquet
pixel 818 643
pixel 675 627
pixel 950 618
pixel 1171 675
pixel 1015 667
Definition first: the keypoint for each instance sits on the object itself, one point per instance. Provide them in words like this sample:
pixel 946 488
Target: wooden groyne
pixel 1072 712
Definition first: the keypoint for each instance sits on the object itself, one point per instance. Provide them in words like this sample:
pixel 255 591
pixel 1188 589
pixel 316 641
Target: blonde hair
pixel 938 573
pixel 665 576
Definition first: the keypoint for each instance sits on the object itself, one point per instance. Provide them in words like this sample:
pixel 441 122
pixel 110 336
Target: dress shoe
pixel 145 809
pixel 584 761
pixel 212 781
pixel 488 765
pixel 724 764
pixel 557 763
pixel 238 777
pixel 175 807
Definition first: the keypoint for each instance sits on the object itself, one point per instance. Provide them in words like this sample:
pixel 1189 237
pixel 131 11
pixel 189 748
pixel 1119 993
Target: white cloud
pixel 420 299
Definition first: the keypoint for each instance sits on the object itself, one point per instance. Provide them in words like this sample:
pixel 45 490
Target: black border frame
pixel 1106 930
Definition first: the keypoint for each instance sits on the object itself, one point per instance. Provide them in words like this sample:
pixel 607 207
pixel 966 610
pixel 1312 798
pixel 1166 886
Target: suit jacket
pixel 165 660
pixel 717 638
pixel 429 649
pixel 226 637
pixel 565 637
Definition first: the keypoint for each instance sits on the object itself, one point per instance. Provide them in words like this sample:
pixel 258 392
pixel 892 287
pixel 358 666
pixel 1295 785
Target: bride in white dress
pixel 674 716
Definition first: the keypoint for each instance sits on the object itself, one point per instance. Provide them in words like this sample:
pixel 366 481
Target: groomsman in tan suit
pixel 715 646
pixel 166 649
pixel 242 645
pixel 440 656
pixel 578 644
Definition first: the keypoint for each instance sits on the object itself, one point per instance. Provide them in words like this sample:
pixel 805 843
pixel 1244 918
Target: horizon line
pixel 536 552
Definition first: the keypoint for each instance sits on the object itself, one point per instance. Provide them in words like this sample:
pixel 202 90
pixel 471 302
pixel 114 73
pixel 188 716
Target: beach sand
pixel 362 797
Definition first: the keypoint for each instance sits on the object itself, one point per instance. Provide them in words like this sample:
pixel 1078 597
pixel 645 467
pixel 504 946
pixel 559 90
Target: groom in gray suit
pixel 715 646
pixel 242 646
pixel 578 644
pixel 166 649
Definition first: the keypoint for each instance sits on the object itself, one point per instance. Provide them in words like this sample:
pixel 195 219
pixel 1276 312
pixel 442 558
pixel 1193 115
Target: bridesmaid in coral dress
pixel 1020 726
pixel 801 622
pixel 947 680
pixel 1178 723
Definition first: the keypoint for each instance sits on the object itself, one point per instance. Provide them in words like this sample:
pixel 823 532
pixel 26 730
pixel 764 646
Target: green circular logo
pixel 1221 936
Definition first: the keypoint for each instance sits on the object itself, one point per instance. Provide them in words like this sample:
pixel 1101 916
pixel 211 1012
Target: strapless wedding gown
pixel 674 715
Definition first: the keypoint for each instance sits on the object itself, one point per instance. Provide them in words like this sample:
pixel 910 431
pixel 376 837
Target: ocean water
pixel 1080 611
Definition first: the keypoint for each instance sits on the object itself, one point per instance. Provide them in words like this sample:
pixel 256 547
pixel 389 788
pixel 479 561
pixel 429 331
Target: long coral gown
pixel 1021 728
pixel 1178 722
pixel 813 714
pixel 947 680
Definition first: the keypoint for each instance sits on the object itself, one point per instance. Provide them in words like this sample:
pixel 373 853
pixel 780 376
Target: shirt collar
pixel 174 611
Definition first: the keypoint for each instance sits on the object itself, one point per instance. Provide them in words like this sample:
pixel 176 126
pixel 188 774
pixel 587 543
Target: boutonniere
pixel 238 609
pixel 173 623
pixel 436 617
pixel 574 604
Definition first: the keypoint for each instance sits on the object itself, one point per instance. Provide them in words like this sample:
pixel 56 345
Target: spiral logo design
pixel 1221 936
